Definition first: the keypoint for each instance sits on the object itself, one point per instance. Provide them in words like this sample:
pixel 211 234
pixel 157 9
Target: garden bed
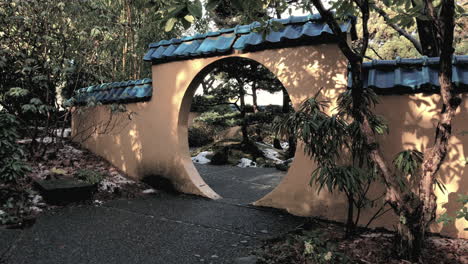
pixel 70 163
pixel 324 242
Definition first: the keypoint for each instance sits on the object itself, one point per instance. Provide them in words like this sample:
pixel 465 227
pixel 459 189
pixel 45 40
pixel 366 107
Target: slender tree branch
pixel 375 52
pixel 398 29
pixel 364 7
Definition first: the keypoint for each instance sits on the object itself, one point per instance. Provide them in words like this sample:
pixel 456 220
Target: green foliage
pixel 181 12
pixel 220 157
pixel 265 116
pixel 211 102
pixel 345 179
pixel 50 48
pixel 89 176
pixel 320 250
pixel 12 166
pixel 406 11
pixel 227 85
pixel 461 213
pixel 199 136
pixel 337 145
pixel 408 162
pixel 219 119
pixel 15 206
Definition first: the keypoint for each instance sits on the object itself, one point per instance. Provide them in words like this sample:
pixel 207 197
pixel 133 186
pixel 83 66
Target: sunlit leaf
pixel 189 18
pixel 170 24
pixel 195 9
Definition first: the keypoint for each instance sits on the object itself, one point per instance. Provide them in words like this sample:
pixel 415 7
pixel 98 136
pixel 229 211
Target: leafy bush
pixel 12 166
pixel 89 176
pixel 221 157
pixel 199 136
pixel 229 119
pixel 15 206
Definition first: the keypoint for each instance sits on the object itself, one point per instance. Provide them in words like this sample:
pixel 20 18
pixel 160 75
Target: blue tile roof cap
pixel 116 92
pixel 422 61
pixel 411 75
pixel 166 50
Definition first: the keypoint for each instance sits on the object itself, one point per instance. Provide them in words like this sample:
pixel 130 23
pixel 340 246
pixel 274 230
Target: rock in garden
pixel 65 190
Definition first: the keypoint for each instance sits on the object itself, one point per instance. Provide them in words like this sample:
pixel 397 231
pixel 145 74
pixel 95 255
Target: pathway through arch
pixel 240 185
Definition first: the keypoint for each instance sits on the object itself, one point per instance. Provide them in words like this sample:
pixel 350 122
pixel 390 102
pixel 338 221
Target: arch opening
pixel 227 122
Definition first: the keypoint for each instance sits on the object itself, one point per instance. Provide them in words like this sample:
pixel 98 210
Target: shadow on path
pixel 240 185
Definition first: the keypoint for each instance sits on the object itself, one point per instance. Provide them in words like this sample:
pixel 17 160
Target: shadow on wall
pixel 112 136
pixel 412 120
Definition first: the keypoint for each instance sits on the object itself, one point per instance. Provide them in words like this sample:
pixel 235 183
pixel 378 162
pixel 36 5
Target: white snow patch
pixel 35 209
pixel 24 141
pixel 73 150
pixel 201 157
pixel 149 191
pixel 2 212
pixel 284 145
pixel 245 163
pixel 37 200
pixel 45 140
pixel 66 132
pixel 107 185
pixel 272 154
pixel 110 184
pixel 119 179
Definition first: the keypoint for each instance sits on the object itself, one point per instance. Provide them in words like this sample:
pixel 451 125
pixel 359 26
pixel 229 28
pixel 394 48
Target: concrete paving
pixel 160 228
pixel 240 185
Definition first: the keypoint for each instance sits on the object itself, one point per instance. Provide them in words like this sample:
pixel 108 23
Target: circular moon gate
pixel 302 71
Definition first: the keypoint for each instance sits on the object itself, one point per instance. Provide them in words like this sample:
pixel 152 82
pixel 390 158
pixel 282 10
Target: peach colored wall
pixel 412 119
pixel 155 141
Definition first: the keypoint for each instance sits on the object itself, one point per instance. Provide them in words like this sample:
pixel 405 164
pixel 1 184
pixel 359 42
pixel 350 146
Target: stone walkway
pixel 161 228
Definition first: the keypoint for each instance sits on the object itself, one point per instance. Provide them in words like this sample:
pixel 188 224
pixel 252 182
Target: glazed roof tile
pixel 304 30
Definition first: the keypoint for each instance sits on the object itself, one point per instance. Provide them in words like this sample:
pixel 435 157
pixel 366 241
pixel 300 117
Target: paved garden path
pixel 161 228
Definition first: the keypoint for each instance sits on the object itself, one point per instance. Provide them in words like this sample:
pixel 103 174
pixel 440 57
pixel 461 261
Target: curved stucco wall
pixel 154 141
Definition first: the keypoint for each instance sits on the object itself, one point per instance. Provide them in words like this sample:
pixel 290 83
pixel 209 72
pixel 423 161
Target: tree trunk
pixel 427 36
pixel 416 210
pixel 254 97
pixel 245 135
pixel 292 147
pixel 434 156
pixel 404 203
pixel 350 222
pixel 277 143
pixel 286 101
pixel 291 139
